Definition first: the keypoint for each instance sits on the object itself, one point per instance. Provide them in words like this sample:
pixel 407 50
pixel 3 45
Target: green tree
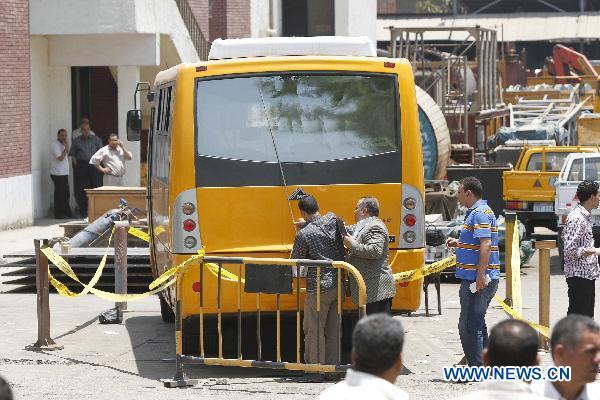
pixel 434 6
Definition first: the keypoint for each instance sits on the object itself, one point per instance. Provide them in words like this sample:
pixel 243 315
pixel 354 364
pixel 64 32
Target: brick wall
pixel 229 19
pixel 386 7
pixel 200 10
pixel 238 18
pixel 218 20
pixel 15 92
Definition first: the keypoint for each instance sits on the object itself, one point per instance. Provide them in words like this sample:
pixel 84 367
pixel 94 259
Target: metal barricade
pixel 180 379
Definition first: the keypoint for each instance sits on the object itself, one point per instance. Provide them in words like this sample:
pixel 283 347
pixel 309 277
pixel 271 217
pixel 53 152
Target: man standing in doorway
pixel 478 264
pixel 113 157
pixel 86 176
pixel 59 173
pixel 77 132
pixel 581 261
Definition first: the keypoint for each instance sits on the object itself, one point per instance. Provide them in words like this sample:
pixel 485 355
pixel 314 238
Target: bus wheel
pixel 166 312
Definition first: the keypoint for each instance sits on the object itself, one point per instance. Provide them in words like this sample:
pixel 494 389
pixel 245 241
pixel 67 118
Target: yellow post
pixel 510 218
pixel 544 247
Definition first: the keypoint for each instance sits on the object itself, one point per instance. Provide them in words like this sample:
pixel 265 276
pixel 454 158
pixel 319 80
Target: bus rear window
pixel 297 118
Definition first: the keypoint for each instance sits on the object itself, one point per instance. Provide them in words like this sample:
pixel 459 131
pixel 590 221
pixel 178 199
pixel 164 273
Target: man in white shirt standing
pixel 377 343
pixel 575 343
pixel 59 173
pixel 113 157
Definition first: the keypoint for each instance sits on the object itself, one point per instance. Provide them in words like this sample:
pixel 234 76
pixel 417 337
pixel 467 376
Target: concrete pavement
pixel 128 360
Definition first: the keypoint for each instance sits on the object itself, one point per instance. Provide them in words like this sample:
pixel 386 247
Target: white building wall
pixel 127 79
pixel 125 34
pixel 16 198
pixel 59 101
pixel 265 18
pixel 50 111
pixel 40 128
pixel 356 18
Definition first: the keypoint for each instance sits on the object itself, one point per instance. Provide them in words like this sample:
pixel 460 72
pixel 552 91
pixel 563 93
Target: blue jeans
pixel 471 323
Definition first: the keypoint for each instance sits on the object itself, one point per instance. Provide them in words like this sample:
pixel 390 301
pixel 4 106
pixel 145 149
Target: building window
pixel 308 17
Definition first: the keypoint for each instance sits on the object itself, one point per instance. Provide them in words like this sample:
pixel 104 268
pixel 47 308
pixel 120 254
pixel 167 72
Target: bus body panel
pixel 257 221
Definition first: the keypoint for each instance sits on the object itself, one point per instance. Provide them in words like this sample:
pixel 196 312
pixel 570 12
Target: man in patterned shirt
pixel 319 240
pixel 477 261
pixel 581 261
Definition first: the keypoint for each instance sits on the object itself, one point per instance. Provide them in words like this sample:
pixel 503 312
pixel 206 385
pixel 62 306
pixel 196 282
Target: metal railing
pixel 200 43
pixel 216 266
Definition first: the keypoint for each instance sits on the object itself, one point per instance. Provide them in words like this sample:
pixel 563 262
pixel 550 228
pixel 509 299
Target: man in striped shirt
pixel 477 260
pixel 581 261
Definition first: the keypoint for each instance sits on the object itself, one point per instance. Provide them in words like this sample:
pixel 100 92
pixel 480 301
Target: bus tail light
pixel 410 203
pixel 196 287
pixel 188 208
pixel 189 225
pixel 412 227
pixel 190 242
pixel 185 227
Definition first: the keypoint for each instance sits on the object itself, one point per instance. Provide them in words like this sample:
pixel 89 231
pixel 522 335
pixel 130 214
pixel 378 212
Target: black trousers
pixel 86 177
pixel 61 196
pixel 381 306
pixel 582 296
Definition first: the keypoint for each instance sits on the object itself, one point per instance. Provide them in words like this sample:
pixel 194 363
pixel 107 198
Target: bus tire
pixel 166 312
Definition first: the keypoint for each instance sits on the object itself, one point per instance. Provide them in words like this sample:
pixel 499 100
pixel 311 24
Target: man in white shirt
pixel 377 343
pixel 575 343
pixel 59 173
pixel 512 343
pixel 113 157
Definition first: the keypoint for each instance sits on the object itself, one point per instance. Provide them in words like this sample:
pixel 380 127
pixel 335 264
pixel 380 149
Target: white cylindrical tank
pixel 435 136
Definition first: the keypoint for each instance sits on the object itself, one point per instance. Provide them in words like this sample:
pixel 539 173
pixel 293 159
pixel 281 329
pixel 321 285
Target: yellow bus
pixel 233 140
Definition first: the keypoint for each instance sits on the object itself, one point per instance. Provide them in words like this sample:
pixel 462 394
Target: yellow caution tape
pixel 413 275
pixel 139 234
pixel 544 330
pixel 64 266
pixel 177 269
pixel 515 266
pixel 225 274
pixel 63 290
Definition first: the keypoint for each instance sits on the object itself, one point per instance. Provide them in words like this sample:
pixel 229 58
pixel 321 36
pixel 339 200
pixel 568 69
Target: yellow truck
pixel 529 188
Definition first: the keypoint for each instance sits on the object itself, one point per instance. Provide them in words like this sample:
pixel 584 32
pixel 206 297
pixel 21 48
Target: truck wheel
pixel 166 312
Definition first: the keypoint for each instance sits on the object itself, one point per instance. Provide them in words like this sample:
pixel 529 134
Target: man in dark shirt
pixel 85 175
pixel 319 240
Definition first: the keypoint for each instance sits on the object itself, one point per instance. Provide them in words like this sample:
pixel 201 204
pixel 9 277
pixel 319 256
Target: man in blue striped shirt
pixel 478 263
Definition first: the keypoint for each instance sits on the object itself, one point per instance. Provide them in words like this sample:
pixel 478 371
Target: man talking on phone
pixel 477 266
pixel 110 161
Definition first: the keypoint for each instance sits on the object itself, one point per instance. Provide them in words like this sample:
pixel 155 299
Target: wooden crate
pixel 105 198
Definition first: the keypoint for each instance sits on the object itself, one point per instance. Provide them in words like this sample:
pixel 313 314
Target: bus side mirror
pixel 134 125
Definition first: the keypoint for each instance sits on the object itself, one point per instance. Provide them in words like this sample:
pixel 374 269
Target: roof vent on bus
pixel 360 46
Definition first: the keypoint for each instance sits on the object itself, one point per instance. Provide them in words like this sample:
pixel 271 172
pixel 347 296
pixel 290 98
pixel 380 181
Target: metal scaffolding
pixel 460 86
